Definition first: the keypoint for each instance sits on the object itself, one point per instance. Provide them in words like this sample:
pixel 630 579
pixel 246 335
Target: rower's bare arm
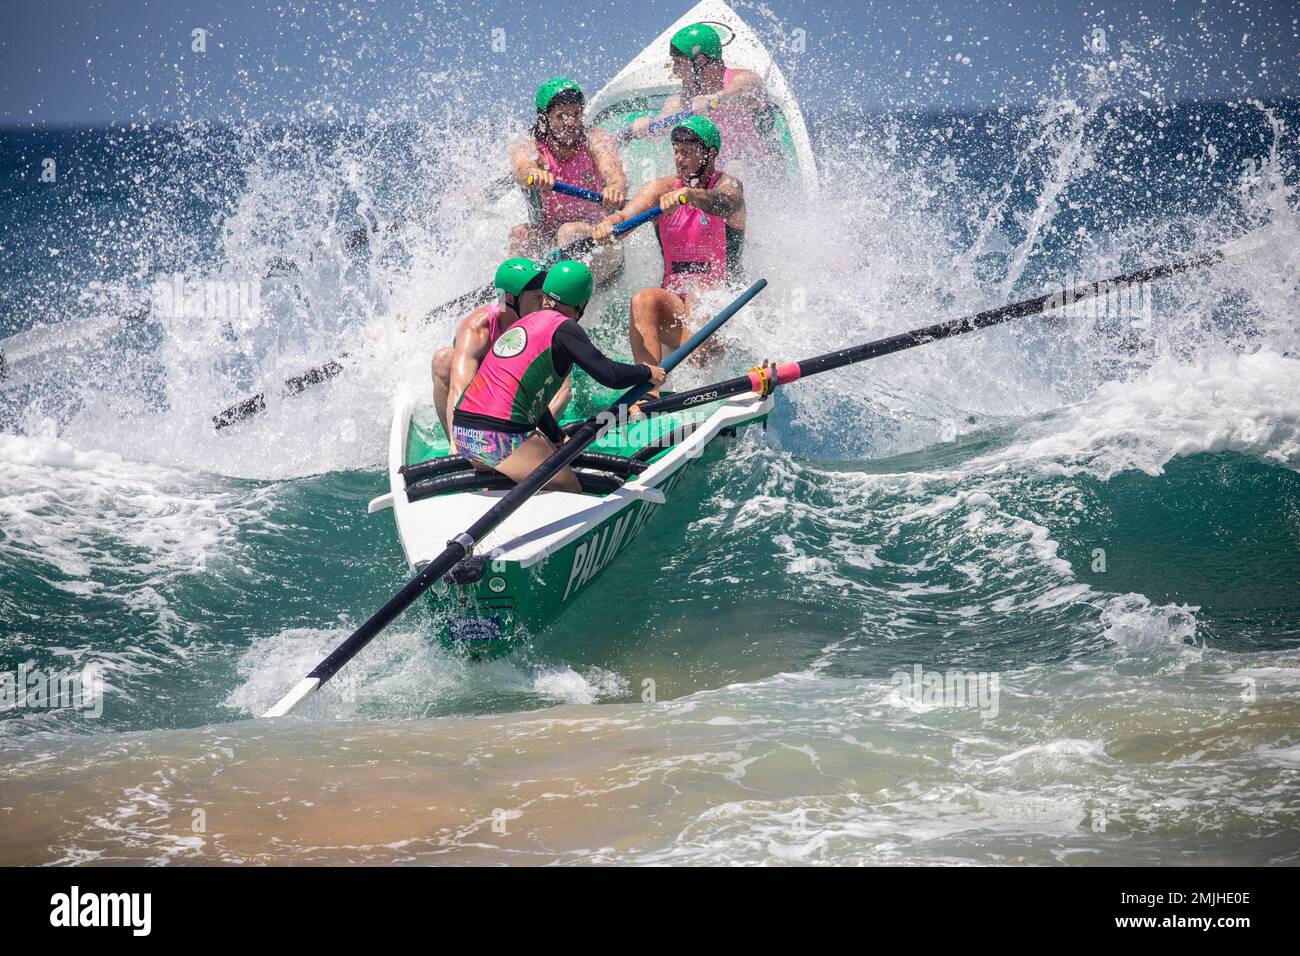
pixel 471 346
pixel 646 198
pixel 562 397
pixel 673 104
pixel 745 87
pixel 725 199
pixel 604 152
pixel 525 161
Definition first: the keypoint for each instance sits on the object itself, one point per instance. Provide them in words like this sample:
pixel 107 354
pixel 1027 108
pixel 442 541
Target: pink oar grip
pixel 787 372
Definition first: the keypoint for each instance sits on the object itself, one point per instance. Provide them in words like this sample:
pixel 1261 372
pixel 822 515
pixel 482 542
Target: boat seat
pixel 593 483
pixel 593 460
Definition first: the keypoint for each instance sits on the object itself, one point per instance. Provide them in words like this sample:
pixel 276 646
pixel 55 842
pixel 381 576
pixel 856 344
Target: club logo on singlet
pixel 510 343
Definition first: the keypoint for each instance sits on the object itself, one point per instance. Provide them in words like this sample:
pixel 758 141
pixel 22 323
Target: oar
pixel 241 411
pixel 577 192
pixel 459 547
pixel 586 243
pixel 661 124
pixel 360 236
pixel 46 348
pixel 764 380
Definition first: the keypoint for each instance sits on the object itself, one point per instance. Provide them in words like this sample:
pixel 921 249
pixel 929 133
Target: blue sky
pixel 78 62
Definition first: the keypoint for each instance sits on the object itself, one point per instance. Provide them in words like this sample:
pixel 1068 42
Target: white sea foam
pixel 1244 403
pixel 84 513
pixel 571 687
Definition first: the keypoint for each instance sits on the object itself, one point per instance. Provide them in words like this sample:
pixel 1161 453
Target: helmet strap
pixel 697 179
pixel 695 76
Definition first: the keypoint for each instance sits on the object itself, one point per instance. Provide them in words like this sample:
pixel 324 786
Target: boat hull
pixel 556 545
pixel 513 602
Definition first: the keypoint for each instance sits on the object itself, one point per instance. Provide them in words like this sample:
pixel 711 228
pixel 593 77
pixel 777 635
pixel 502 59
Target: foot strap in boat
pixel 593 483
pixel 594 460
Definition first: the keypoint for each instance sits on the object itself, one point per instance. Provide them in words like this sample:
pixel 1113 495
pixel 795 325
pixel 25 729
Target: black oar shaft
pixel 292 386
pixel 792 371
pixel 460 546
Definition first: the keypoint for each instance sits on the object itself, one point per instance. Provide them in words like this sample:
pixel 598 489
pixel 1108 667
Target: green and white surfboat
pixel 553 548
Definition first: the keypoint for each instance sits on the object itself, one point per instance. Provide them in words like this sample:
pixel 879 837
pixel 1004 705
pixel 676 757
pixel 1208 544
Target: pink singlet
pixel 494 322
pixel 740 139
pixel 516 379
pixel 694 244
pixel 579 171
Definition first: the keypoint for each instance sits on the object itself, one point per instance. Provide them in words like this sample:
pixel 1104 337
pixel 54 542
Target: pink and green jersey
pixel 517 378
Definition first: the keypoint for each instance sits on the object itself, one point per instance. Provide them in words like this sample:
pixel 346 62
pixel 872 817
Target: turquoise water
pixel 1100 529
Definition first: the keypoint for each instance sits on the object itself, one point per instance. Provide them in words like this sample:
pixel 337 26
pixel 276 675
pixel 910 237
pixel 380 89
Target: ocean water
pixel 1085 528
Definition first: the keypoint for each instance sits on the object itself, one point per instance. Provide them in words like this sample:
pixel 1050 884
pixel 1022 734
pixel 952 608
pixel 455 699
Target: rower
pixel 518 284
pixel 561 149
pixel 701 235
pixel 735 100
pixel 502 421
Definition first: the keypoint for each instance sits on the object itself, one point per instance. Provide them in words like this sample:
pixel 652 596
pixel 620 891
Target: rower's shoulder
pixel 525 149
pixel 728 181
pixel 743 75
pixel 660 185
pixel 569 330
pixel 598 138
pixel 476 321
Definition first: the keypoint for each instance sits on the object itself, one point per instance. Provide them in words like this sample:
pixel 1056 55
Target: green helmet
pixel 514 275
pixel 569 282
pixel 705 129
pixel 553 88
pixel 696 39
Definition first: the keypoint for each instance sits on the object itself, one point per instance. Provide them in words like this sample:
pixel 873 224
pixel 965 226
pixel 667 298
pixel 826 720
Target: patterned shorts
pixel 488 448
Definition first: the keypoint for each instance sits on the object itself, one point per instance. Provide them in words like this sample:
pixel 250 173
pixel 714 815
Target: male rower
pixel 502 420
pixel 735 100
pixel 519 291
pixel 701 234
pixel 562 149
